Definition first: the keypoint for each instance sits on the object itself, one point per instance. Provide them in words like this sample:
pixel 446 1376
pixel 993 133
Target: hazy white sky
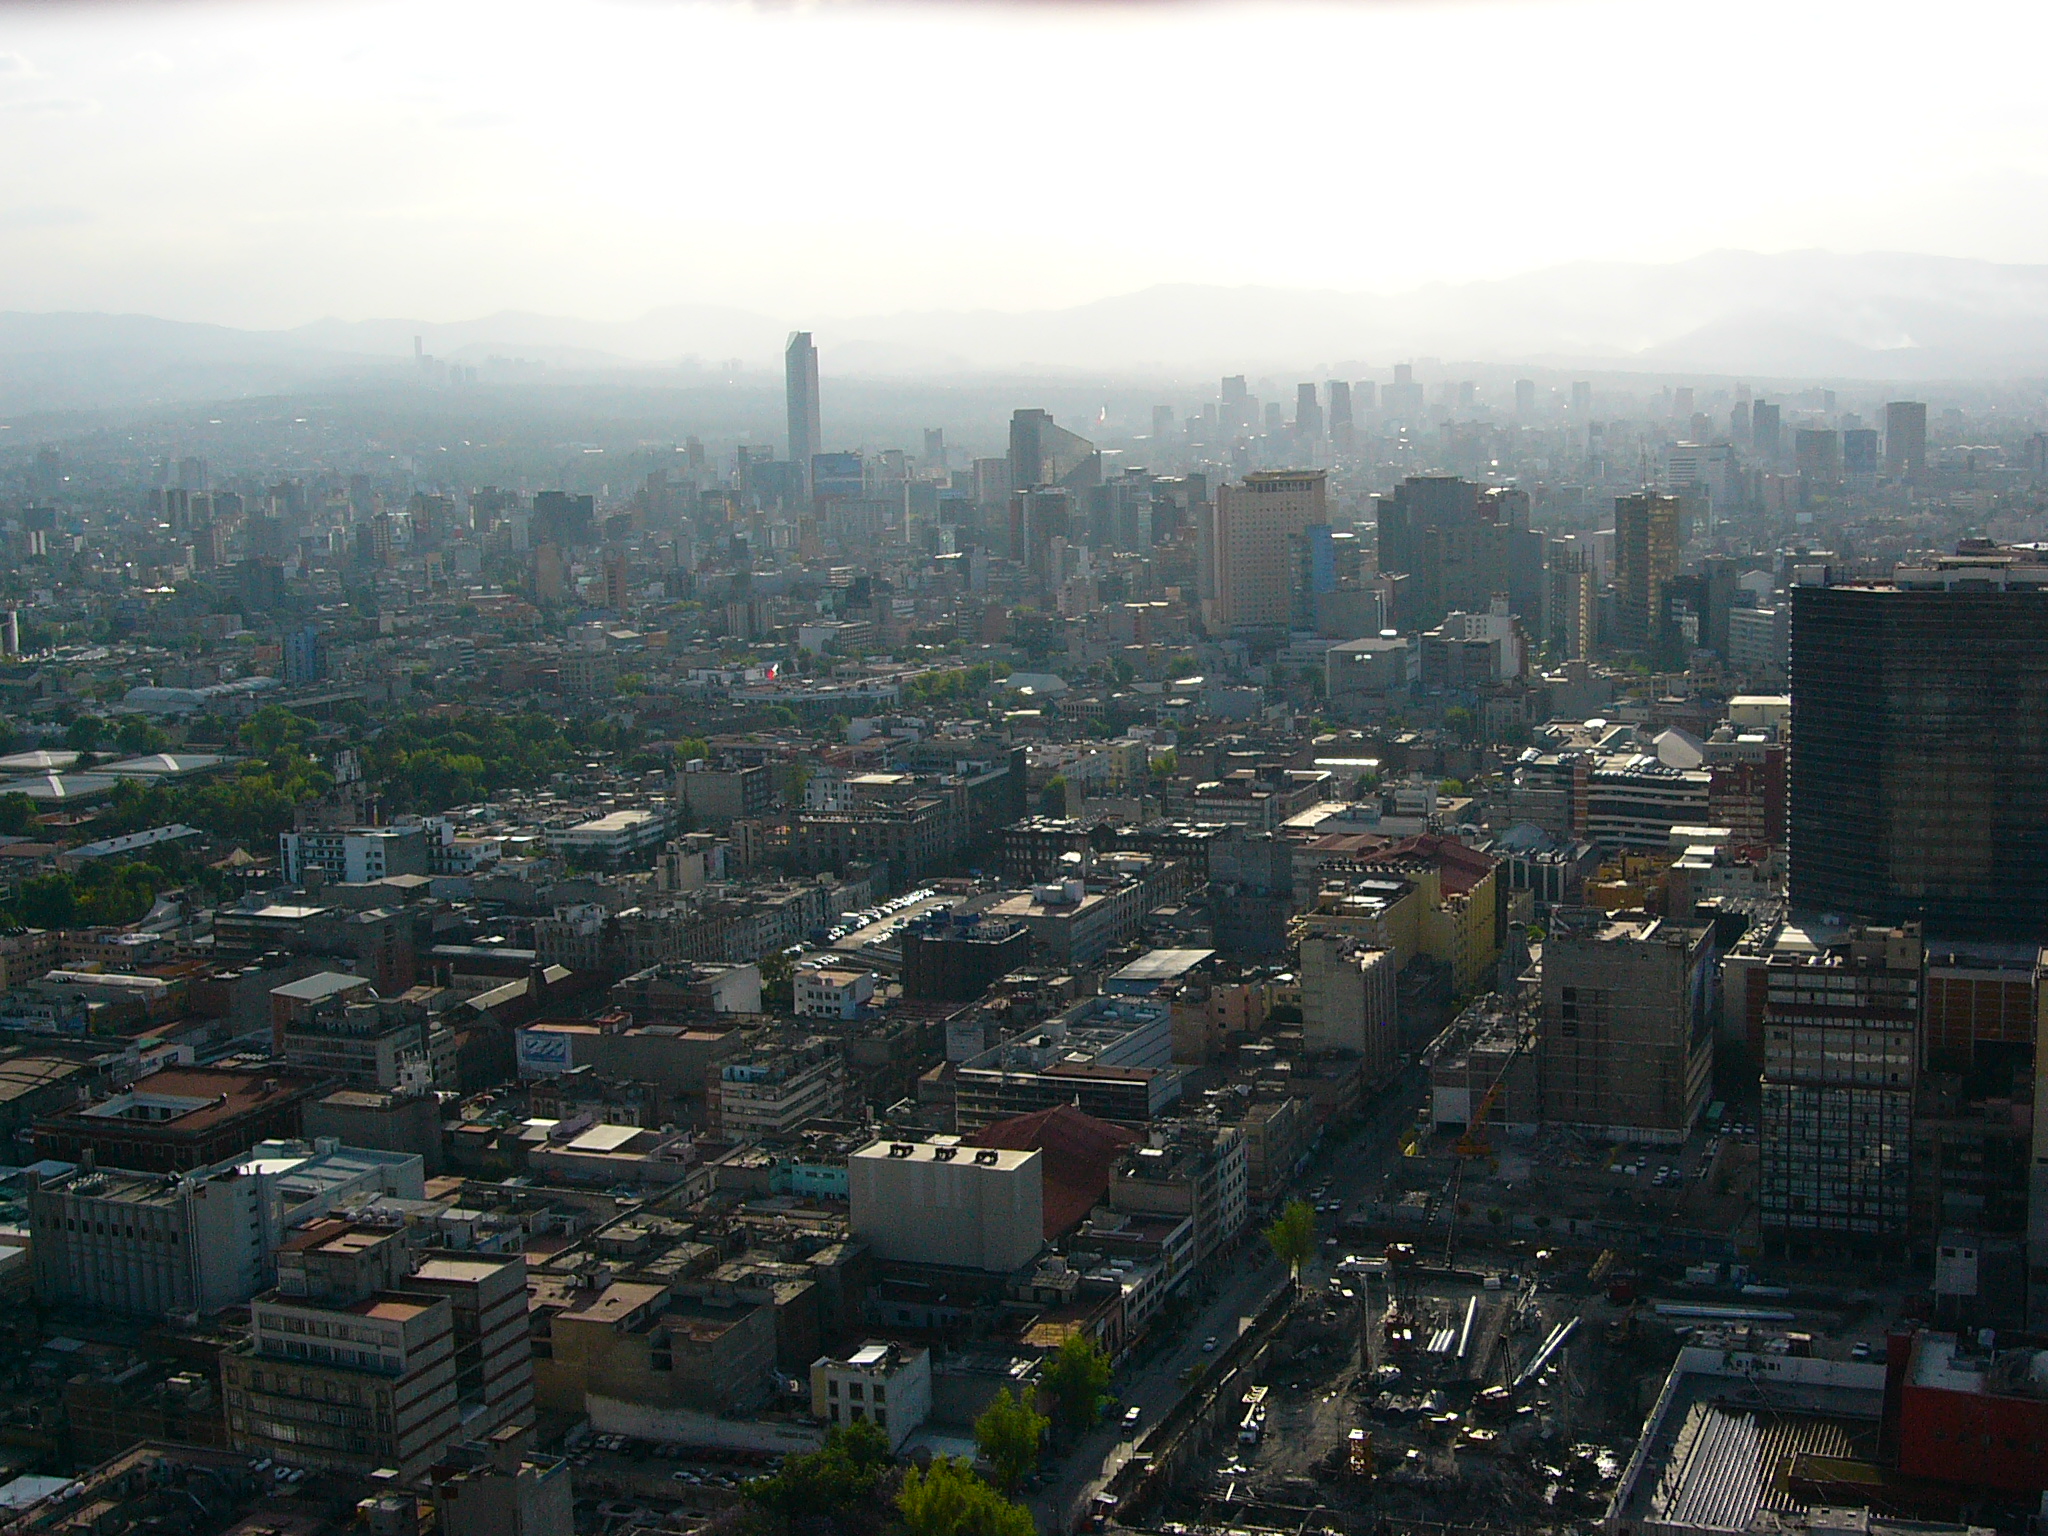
pixel 270 163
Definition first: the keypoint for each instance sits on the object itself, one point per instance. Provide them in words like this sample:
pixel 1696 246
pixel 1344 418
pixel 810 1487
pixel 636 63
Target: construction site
pixel 1485 1331
pixel 1414 1394
pixel 1506 1392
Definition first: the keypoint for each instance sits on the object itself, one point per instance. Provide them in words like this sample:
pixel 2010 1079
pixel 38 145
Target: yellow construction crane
pixel 1473 1143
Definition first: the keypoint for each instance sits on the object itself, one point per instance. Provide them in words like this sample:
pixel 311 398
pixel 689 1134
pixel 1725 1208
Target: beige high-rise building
pixel 1258 528
pixel 1647 537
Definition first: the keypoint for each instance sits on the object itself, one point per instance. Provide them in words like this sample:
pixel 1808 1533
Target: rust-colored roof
pixel 1077 1153
pixel 228 1095
pixel 1461 868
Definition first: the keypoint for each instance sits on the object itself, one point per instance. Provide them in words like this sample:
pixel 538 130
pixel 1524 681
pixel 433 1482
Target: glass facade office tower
pixel 1920 747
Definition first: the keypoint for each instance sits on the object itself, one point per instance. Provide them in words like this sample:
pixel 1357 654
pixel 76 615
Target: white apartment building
pixel 360 1385
pixel 354 854
pixel 834 992
pixel 613 837
pixel 889 1385
pixel 774 1096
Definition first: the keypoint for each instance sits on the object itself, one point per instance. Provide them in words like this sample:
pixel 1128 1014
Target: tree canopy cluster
pixel 1077 1376
pixel 430 762
pixel 851 1487
pixel 105 892
pixel 954 683
pixel 420 762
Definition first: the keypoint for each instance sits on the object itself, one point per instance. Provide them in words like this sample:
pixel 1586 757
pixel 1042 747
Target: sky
pixel 267 164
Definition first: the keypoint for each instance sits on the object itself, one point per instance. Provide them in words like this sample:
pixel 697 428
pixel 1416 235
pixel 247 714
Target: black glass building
pixel 1919 784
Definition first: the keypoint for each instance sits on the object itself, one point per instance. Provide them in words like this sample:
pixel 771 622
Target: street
pixel 1353 1165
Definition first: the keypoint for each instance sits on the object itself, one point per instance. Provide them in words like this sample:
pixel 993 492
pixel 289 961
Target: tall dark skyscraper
pixel 1308 413
pixel 1340 411
pixel 1920 747
pixel 1764 430
pixel 800 381
pixel 1043 453
pixel 1462 545
pixel 1905 439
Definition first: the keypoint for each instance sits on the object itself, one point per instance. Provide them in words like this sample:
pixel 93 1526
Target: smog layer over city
pixel 957 768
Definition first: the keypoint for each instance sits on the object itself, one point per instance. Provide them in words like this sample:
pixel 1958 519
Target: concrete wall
pixel 684 1426
pixel 959 1212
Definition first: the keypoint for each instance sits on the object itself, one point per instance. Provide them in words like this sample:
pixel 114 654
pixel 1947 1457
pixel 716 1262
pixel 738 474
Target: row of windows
pixel 329 1354
pixel 289 1322
pixel 853 1390
pixel 305 1388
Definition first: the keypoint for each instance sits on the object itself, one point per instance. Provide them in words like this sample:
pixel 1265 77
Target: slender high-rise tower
pixel 1646 544
pixel 800 371
pixel 1340 412
pixel 1905 439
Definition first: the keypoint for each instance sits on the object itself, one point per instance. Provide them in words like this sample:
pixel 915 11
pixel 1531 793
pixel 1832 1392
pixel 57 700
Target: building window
pixel 835 1413
pixel 831 1388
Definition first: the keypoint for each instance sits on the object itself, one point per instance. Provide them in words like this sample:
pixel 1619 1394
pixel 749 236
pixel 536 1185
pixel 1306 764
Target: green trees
pixel 947 1499
pixel 778 981
pixel 1008 1433
pixel 17 815
pixel 137 737
pixel 83 734
pixel 837 1486
pixel 272 728
pixel 1292 1236
pixel 940 687
pixel 850 1488
pixel 1077 1375
pixel 430 762
pixel 105 892
pixel 418 762
pixel 796 778
pixel 1053 800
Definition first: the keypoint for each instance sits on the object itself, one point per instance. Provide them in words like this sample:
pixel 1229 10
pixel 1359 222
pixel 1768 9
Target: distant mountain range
pixel 1798 315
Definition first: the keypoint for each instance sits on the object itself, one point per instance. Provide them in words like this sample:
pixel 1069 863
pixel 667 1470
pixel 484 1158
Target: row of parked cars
pixel 853 922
